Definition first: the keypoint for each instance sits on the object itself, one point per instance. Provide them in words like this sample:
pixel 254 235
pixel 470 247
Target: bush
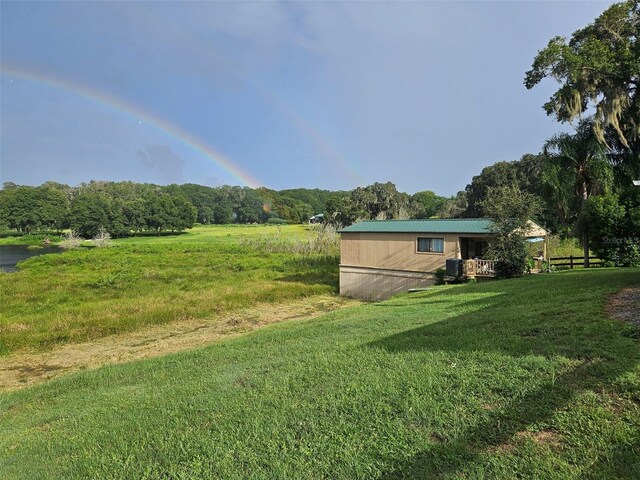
pixel 614 229
pixel 102 239
pixel 510 252
pixel 510 209
pixel 71 240
pixel 440 275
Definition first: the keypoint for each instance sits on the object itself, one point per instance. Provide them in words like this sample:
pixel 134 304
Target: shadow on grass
pixel 599 352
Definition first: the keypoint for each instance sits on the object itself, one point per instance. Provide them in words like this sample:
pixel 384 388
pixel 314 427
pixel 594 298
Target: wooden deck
pixel 479 268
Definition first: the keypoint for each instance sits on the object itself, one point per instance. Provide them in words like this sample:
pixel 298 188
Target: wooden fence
pixel 572 262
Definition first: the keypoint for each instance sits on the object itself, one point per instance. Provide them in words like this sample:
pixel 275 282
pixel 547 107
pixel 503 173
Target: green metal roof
pixel 444 225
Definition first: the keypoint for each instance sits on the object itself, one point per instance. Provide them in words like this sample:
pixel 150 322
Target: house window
pixel 430 245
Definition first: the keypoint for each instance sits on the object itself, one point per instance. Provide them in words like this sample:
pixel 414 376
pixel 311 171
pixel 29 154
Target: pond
pixel 10 255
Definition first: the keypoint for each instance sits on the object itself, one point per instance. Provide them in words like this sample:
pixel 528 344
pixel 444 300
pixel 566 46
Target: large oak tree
pixel 598 68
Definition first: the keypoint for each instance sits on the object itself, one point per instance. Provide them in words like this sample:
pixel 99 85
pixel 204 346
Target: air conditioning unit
pixel 454 267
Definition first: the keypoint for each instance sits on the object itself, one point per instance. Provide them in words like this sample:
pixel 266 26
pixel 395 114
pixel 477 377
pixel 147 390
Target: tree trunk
pixel 585 227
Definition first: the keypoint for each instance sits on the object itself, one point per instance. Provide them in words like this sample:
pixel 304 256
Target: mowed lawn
pixel 525 378
pixel 88 293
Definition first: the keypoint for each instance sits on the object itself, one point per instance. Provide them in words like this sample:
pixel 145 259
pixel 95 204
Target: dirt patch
pixel 25 369
pixel 547 438
pixel 625 305
pixel 542 437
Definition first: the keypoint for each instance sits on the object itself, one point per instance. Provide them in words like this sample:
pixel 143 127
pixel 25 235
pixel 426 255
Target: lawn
pixel 88 293
pixel 525 378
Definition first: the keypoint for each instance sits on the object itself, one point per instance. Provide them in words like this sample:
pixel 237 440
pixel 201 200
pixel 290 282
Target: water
pixel 10 255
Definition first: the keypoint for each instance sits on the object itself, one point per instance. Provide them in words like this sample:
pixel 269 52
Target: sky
pixel 330 95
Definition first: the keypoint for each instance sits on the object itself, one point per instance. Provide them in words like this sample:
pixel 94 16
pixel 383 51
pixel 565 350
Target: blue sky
pixel 310 94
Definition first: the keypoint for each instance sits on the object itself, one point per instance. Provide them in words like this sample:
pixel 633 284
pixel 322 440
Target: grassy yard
pixel 88 293
pixel 526 378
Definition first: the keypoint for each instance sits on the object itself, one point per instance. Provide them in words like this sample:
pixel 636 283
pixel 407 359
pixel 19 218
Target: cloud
pixel 168 166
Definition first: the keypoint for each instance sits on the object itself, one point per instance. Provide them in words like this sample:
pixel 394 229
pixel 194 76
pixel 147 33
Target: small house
pixel 317 218
pixel 381 258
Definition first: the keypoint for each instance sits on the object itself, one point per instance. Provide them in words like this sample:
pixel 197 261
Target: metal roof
pixel 444 225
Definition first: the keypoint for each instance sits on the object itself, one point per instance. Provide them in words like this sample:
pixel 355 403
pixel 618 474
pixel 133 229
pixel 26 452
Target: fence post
pixel 571 260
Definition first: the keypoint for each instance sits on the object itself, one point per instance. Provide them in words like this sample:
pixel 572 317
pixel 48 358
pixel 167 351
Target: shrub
pixel 510 209
pixel 614 228
pixel 70 240
pixel 102 239
pixel 440 275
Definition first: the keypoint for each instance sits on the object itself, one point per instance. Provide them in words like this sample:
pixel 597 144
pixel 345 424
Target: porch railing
pixel 479 268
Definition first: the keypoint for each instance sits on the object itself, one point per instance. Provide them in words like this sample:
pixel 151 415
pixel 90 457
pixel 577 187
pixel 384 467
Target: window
pixel 430 245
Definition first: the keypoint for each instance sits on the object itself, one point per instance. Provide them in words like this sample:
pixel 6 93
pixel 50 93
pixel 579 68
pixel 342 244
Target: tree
pixel 380 201
pixel 158 207
pixel 523 173
pixel 251 208
pixel 598 67
pixel 454 207
pixel 32 208
pixel 136 214
pixel 614 233
pixel 510 210
pixel 202 197
pixel 338 209
pixel 223 212
pixel 576 168
pixel 184 214
pixel 89 213
pixel 426 204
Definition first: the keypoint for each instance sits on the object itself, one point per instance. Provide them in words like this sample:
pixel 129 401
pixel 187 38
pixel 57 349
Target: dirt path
pixel 625 305
pixel 22 370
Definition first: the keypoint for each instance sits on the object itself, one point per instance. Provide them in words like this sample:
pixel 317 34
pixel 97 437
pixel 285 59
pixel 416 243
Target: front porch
pixel 473 248
pixel 478 268
pixel 471 251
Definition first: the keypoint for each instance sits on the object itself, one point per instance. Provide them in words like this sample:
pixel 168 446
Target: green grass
pixel 88 293
pixel 11 238
pixel 219 234
pixel 525 378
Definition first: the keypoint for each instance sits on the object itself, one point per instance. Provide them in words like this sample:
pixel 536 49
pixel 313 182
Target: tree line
pixel 121 208
pixel 125 208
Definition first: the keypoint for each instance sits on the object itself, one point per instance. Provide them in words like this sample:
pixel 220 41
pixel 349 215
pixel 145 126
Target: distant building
pixel 317 218
pixel 379 259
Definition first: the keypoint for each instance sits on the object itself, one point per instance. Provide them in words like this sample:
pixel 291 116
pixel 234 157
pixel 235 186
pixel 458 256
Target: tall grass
pixel 321 240
pixel 88 293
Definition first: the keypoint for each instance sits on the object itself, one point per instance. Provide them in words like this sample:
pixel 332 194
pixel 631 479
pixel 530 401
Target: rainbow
pixel 200 46
pixel 137 114
pixel 312 133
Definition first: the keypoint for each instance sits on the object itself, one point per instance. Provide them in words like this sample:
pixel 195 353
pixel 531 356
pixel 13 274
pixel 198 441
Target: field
pixel 88 293
pixel 525 378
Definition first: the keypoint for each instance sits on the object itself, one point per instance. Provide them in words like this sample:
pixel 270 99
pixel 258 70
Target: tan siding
pixel 371 284
pixel 395 251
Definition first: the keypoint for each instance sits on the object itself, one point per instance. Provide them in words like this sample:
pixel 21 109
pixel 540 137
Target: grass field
pixel 89 293
pixel 525 378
